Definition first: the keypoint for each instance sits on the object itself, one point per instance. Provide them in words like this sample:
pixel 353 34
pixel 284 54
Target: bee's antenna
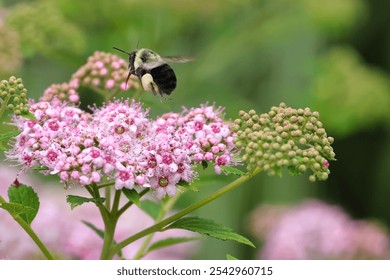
pixel 137 45
pixel 121 50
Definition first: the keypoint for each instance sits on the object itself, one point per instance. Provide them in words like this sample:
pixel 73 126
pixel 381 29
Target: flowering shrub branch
pixel 26 227
pixel 117 147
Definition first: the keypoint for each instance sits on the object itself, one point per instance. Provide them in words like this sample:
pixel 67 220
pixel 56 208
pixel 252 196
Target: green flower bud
pixel 302 168
pixel 307 112
pixel 249 123
pixel 237 122
pixel 248 150
pixel 252 112
pixel 294 119
pixel 255 118
pixel 256 127
pixel 275 146
pixel 25 109
pixel 292 154
pixel 285 137
pixel 245 117
pixel 13 95
pixel 259 154
pixel 315 138
pixel 279 155
pixel 323 176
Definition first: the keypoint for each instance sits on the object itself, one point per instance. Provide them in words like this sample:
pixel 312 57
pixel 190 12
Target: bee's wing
pixel 181 59
pixel 165 59
pixel 153 64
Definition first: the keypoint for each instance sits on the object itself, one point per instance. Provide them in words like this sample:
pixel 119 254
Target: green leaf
pixel 6 136
pixel 151 208
pixel 100 233
pixel 15 208
pixel 293 170
pixel 210 228
pixel 75 200
pixel 97 230
pixel 204 164
pixel 28 198
pixel 170 241
pixel 230 257
pixel 132 195
pixel 188 186
pixel 10 134
pixel 230 170
pixel 28 115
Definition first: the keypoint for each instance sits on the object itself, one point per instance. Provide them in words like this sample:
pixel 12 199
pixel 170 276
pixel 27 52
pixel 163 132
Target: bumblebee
pixel 153 70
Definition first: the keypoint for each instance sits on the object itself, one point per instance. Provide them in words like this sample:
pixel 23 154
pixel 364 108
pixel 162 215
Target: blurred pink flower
pixel 316 230
pixel 62 230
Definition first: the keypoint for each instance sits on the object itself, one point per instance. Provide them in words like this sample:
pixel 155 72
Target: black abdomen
pixel 165 78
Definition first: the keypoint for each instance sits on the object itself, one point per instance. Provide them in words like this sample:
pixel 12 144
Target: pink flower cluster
pixel 102 72
pixel 120 142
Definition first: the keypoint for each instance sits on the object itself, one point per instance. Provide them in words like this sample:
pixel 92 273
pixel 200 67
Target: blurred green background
pixel 332 56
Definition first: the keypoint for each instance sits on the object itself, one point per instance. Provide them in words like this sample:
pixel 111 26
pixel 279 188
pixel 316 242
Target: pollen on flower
pixel 51 155
pixel 119 129
pixel 123 175
pixel 163 182
pixel 53 125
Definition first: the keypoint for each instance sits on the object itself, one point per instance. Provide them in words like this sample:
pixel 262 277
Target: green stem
pixel 167 207
pixel 109 223
pixel 115 204
pixel 185 211
pixel 108 198
pixel 27 228
pixel 105 185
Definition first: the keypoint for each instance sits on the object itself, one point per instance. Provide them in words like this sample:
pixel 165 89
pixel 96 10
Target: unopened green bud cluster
pixel 13 96
pixel 284 137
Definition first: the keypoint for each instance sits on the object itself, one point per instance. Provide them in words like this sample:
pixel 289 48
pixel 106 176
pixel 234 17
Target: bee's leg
pixel 154 87
pixel 148 84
